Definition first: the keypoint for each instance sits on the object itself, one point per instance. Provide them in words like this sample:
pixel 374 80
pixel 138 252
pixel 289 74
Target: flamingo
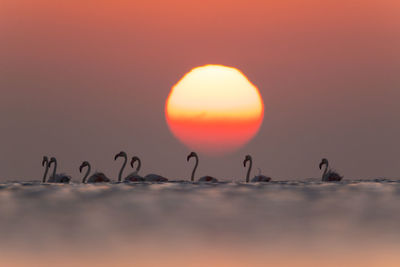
pixel 45 163
pixel 152 177
pixel 57 177
pixel 329 175
pixel 257 178
pixel 97 177
pixel 134 176
pixel 148 178
pixel 204 178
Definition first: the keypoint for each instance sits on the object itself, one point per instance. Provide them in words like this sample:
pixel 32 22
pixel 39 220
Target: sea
pixel 280 223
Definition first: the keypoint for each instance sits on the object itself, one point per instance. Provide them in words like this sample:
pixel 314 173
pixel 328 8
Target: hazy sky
pixel 82 80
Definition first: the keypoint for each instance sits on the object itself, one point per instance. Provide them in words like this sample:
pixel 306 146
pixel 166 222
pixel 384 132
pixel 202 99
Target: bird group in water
pixel 328 175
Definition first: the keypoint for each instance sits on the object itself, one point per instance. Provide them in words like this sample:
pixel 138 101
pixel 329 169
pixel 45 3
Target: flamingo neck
pixel 325 171
pixel 139 165
pixel 249 170
pixel 45 172
pixel 122 169
pixel 87 173
pixel 55 168
pixel 195 167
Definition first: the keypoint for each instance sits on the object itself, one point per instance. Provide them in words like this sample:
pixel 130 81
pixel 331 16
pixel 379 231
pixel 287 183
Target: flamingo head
pixel 324 161
pixel 134 159
pixel 52 160
pixel 246 159
pixel 45 160
pixel 84 164
pixel 191 155
pixel 120 154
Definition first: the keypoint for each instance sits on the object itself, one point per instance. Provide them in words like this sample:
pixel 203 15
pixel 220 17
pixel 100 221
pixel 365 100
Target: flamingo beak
pixel 80 168
pixel 188 157
pixel 320 165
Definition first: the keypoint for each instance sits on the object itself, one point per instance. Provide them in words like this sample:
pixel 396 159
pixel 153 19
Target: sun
pixel 214 109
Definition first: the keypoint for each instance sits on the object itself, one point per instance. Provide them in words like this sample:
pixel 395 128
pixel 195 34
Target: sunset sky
pixel 83 80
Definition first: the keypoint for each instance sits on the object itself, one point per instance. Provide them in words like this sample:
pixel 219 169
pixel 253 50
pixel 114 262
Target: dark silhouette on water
pixel 134 176
pixel 97 177
pixel 204 178
pixel 257 178
pixel 155 178
pixel 45 163
pixel 57 177
pixel 329 175
pixel 152 177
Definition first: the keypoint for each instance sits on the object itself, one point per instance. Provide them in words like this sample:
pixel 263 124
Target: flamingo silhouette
pixel 329 175
pixel 257 178
pixel 204 178
pixel 57 177
pixel 97 177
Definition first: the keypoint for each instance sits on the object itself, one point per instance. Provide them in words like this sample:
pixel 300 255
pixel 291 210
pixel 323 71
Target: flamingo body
pixel 98 177
pixel 59 178
pixel 332 176
pixel 155 178
pixel 134 177
pixel 208 179
pixel 260 178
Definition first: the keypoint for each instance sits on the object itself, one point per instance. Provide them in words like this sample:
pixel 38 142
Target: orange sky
pixel 84 79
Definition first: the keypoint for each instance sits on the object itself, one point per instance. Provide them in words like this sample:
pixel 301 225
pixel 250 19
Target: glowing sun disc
pixel 214 109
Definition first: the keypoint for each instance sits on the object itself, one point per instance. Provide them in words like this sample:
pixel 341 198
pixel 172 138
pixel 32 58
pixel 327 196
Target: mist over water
pixel 288 223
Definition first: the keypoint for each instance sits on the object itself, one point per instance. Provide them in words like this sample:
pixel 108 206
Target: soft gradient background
pixel 82 80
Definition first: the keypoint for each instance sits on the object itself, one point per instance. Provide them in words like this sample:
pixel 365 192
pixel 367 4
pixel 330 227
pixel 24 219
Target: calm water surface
pixel 288 223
